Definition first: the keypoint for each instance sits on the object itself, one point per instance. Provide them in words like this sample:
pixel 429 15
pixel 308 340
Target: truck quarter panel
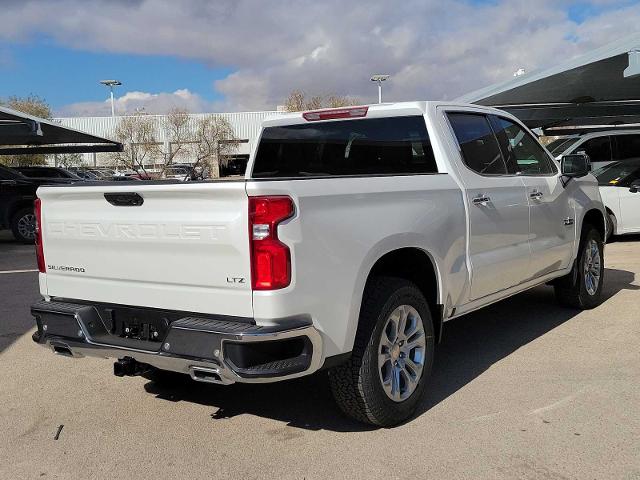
pixel 342 227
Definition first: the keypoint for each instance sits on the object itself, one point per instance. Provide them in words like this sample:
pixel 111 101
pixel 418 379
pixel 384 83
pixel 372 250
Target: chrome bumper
pixel 194 346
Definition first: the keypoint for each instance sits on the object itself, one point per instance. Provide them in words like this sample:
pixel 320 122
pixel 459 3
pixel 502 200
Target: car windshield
pixel 617 173
pixel 559 145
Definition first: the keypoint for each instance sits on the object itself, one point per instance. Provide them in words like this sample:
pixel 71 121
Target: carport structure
pixel 600 89
pixel 22 134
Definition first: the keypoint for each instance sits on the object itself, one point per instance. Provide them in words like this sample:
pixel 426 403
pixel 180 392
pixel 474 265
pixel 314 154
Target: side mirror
pixel 635 186
pixel 575 165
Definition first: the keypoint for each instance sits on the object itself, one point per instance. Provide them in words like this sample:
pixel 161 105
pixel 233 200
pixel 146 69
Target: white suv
pixel 602 147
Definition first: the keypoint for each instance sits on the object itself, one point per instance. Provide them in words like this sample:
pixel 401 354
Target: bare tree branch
pixel 137 134
pixel 177 129
pixel 213 142
pixel 297 101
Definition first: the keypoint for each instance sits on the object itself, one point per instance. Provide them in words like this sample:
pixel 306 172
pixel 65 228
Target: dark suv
pixel 17 194
pixel 46 172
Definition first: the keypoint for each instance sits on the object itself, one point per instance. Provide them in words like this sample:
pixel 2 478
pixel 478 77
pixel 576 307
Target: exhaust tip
pixel 62 350
pixel 209 375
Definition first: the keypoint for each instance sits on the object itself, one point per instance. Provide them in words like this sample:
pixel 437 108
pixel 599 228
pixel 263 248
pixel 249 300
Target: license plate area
pixel 136 324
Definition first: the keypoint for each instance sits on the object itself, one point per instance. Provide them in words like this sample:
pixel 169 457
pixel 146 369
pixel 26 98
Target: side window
pixel 598 149
pixel 480 150
pixel 522 152
pixel 628 146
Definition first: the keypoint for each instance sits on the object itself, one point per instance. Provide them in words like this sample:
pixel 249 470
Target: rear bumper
pixel 211 350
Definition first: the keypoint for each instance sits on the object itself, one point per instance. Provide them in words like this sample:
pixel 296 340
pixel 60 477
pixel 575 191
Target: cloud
pixel 432 49
pixel 147 102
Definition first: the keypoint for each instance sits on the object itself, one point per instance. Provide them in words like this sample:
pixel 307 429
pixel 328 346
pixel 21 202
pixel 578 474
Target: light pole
pixel 379 79
pixel 111 84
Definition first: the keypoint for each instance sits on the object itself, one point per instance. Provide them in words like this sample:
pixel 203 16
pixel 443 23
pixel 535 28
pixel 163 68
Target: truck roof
pixel 375 110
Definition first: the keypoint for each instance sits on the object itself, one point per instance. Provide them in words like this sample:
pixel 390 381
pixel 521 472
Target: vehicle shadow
pixel 471 344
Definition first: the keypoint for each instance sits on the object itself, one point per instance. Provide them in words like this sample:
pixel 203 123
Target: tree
pixel 298 101
pixel 66 160
pixel 31 105
pixel 137 135
pixel 205 142
pixel 179 136
pixel 214 140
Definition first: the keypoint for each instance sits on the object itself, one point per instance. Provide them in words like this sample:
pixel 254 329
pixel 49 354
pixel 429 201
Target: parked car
pixel 619 183
pixel 46 172
pixel 601 147
pixel 17 194
pixel 141 176
pixel 83 173
pixel 177 173
pixel 104 173
pixel 100 174
pixel 124 178
pixel 355 234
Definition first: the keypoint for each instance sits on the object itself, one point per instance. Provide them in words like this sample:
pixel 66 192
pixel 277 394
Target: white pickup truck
pixel 356 233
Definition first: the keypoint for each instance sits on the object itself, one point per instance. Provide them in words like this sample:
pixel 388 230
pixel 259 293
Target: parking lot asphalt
pixel 522 389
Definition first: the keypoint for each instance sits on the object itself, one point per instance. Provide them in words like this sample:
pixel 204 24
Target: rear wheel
pixel 23 225
pixel 582 288
pixel 392 356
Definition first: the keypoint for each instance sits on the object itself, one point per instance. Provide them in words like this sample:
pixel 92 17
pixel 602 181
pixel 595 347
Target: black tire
pixel 357 385
pixel 572 290
pixel 611 226
pixel 23 225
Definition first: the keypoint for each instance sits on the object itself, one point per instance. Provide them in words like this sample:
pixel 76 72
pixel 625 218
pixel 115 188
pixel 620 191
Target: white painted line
pixel 17 271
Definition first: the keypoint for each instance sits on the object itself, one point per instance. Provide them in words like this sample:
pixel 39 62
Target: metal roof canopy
pixel 599 88
pixel 22 134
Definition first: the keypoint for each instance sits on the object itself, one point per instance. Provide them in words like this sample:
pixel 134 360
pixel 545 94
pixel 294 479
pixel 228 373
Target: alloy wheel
pixel 401 353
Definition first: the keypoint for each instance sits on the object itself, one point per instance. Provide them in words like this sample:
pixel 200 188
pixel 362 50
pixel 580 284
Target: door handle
pixel 481 200
pixel 536 195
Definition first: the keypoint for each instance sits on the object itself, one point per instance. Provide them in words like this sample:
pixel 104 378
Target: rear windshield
pixel 377 146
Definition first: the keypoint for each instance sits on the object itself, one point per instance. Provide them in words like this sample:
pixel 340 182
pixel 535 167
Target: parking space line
pixel 17 271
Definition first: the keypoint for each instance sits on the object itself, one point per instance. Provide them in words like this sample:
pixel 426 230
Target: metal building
pixel 246 126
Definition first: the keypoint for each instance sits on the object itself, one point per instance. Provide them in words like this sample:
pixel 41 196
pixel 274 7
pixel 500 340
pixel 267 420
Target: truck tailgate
pixel 184 248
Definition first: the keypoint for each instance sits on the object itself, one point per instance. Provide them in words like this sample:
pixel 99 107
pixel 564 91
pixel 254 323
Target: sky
pixel 247 55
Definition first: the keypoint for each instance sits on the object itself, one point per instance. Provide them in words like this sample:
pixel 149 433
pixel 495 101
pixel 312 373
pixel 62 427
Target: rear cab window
pixel 362 147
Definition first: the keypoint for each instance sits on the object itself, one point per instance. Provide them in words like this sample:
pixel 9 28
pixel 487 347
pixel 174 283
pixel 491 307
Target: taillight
pixel 333 113
pixel 37 210
pixel 270 258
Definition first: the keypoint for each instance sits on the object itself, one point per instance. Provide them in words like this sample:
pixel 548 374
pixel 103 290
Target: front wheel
pixel 582 288
pixel 392 356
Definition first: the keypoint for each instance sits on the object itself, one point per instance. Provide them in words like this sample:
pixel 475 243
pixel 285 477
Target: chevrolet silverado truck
pixel 354 236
